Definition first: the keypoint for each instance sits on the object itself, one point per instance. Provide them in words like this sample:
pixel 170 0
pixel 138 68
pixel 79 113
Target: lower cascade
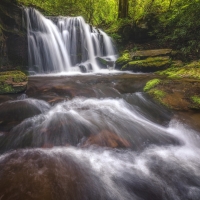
pixel 64 44
pixel 94 136
pixel 120 148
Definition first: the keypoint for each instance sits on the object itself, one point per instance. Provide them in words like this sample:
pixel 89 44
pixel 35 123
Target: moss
pixel 158 94
pixel 123 59
pixel 150 84
pixel 196 99
pixel 149 64
pixel 152 61
pixel 5 88
pixel 191 70
pixel 16 76
pixel 12 82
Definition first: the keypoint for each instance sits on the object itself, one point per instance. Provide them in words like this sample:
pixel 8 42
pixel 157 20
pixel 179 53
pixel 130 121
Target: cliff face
pixel 13 39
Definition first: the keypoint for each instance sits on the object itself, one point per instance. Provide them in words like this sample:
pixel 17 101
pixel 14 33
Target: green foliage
pixel 196 99
pixel 96 12
pixel 150 84
pixel 181 26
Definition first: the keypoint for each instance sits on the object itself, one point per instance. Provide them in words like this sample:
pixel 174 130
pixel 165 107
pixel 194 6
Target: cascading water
pixel 68 44
pixel 93 148
pixel 90 137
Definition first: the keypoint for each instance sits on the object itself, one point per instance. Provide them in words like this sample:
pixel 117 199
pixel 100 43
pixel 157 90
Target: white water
pixel 65 45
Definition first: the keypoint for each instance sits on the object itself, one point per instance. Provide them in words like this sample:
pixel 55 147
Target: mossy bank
pixel 178 87
pixel 144 61
pixel 12 82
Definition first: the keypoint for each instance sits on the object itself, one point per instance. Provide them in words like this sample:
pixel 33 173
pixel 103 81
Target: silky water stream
pixel 87 137
pixel 92 136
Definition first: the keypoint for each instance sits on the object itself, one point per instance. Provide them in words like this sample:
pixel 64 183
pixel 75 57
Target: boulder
pixel 14 112
pixel 123 59
pixel 150 53
pixel 105 63
pixel 40 174
pixel 106 139
pixel 150 64
pixel 180 90
pixel 83 68
pixel 12 82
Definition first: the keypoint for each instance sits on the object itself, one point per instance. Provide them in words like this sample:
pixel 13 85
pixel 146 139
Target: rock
pixel 123 60
pixel 137 32
pixel 43 175
pixel 13 37
pixel 83 68
pixel 177 94
pixel 12 82
pixel 105 63
pixel 14 112
pixel 106 139
pixel 150 64
pixel 150 53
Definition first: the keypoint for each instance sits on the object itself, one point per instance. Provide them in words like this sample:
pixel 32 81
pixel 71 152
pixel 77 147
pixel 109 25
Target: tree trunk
pixel 123 9
pixel 170 3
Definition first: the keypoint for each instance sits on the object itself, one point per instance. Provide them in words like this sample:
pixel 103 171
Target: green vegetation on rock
pixel 191 70
pixel 157 94
pixel 196 99
pixel 123 59
pixel 12 82
pixel 148 65
pixel 152 83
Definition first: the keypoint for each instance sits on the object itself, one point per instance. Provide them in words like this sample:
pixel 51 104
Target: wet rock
pixel 180 90
pixel 57 89
pixel 177 94
pixel 150 64
pixel 106 139
pixel 14 112
pixel 83 68
pixel 40 174
pixel 105 63
pixel 48 130
pixel 62 129
pixel 12 82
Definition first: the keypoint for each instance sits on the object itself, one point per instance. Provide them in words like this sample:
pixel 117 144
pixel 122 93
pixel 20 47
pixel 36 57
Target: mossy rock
pixel 151 53
pixel 177 94
pixel 152 83
pixel 105 62
pixel 150 64
pixel 190 70
pixel 195 101
pixel 123 60
pixel 12 82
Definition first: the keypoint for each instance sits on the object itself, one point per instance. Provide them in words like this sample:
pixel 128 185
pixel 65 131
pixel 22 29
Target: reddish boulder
pixel 107 139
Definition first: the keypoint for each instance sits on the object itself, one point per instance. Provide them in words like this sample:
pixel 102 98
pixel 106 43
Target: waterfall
pixel 65 44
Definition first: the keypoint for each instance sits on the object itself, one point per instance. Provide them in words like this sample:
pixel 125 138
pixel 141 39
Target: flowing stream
pixel 93 136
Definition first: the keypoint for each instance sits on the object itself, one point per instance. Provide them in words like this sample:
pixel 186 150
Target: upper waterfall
pixel 65 44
